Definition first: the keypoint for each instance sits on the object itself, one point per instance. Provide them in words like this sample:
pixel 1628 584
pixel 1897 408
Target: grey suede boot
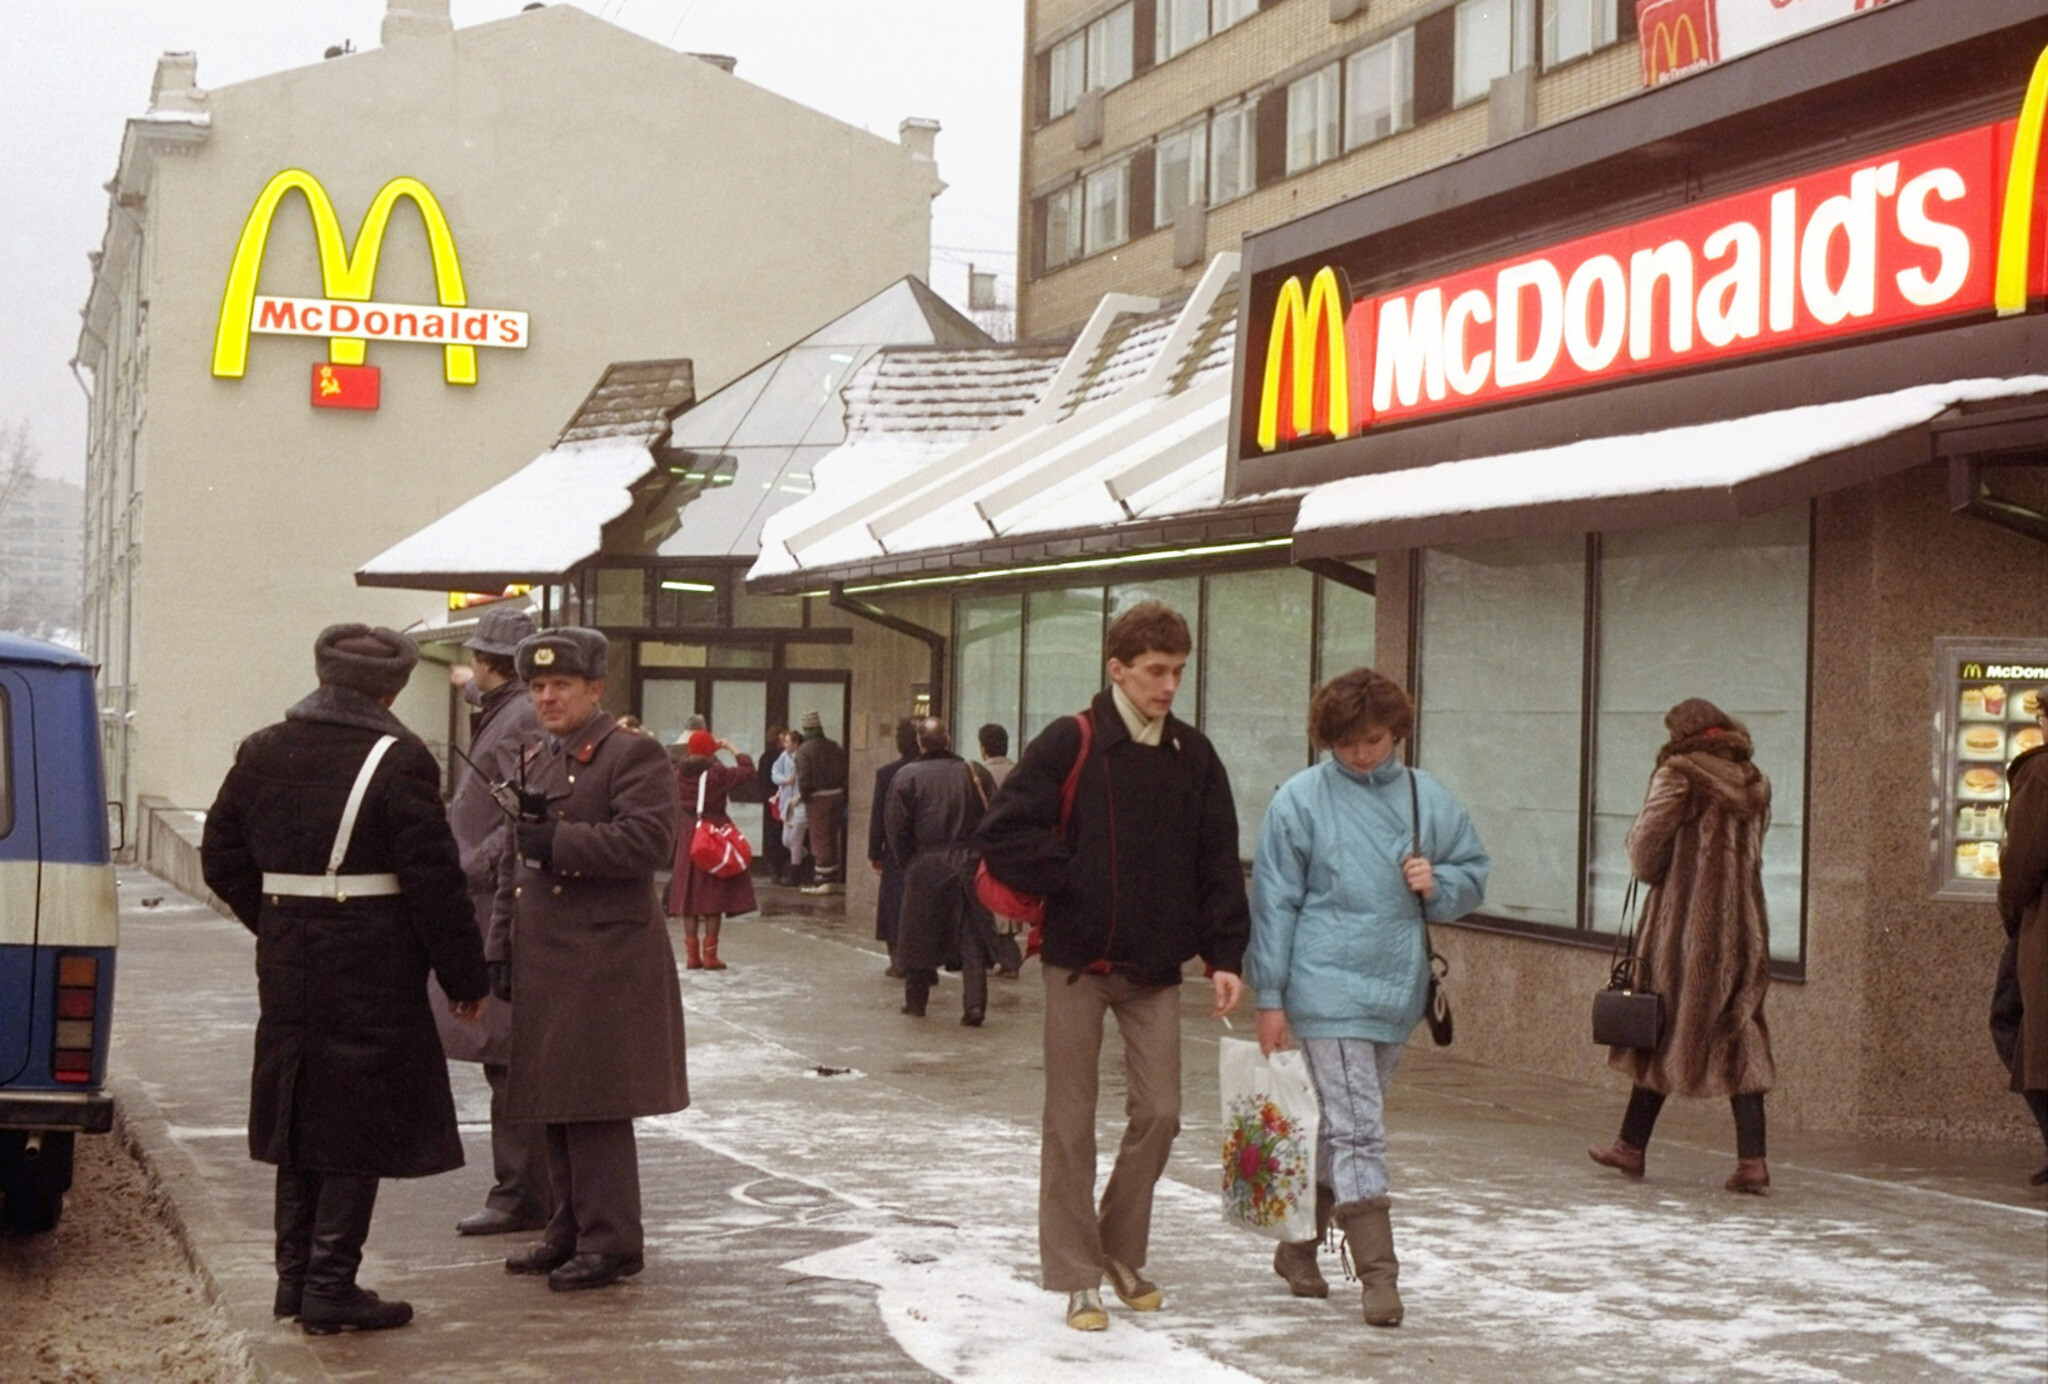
pixel 1369 1251
pixel 1295 1260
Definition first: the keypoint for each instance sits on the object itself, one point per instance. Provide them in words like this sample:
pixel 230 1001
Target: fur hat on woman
pixel 375 662
pixel 1697 724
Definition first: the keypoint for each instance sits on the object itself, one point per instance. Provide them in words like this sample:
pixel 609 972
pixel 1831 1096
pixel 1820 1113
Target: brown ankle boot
pixel 1295 1260
pixel 1750 1176
pixel 694 959
pixel 1369 1250
pixel 711 961
pixel 1622 1156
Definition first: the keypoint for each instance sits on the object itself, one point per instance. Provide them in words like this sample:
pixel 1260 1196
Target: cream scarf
pixel 1142 731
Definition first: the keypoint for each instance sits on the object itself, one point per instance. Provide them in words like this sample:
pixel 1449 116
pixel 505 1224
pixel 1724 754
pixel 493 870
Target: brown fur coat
pixel 1698 843
pixel 2023 905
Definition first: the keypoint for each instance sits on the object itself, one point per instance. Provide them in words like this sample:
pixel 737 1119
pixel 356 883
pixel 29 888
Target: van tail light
pixel 78 993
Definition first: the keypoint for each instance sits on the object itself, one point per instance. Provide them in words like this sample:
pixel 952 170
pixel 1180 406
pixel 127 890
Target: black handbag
pixel 1437 1012
pixel 1628 1014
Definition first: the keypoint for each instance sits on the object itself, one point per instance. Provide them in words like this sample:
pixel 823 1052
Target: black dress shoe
pixel 290 1292
pixel 972 1018
pixel 594 1271
pixel 540 1258
pixel 356 1310
pixel 491 1221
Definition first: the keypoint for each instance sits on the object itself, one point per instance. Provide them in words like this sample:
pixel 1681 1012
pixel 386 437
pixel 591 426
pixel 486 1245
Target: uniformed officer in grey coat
pixel 501 729
pixel 579 942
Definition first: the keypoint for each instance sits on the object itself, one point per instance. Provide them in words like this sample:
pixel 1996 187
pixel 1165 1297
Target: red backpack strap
pixel 1073 784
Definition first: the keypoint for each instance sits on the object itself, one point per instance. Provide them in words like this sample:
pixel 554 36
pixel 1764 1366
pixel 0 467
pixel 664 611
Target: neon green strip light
pixel 704 586
pixel 1077 565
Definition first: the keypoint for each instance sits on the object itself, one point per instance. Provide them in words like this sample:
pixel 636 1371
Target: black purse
pixel 1437 1012
pixel 1628 1014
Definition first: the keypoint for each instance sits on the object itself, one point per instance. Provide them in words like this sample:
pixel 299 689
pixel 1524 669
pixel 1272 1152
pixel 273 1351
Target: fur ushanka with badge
pixel 1698 843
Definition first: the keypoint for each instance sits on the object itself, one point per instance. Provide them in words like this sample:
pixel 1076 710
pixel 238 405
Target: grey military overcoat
pixel 597 1019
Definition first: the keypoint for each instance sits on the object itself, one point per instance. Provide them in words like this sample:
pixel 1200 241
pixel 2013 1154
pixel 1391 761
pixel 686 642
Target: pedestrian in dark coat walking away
pixel 501 729
pixel 889 898
pixel 1699 844
pixel 821 780
pixel 579 942
pixel 1144 877
pixel 934 806
pixel 329 842
pixel 2023 908
pixel 697 896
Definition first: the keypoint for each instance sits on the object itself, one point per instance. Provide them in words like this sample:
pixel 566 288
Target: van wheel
pixel 33 1211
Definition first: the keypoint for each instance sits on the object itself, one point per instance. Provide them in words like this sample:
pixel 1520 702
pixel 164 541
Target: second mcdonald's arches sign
pixel 1681 36
pixel 345 314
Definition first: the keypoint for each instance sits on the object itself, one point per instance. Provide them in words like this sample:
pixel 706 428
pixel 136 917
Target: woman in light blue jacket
pixel 1354 854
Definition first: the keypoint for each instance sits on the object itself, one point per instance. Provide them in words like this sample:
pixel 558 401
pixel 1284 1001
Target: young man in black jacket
pixel 1144 876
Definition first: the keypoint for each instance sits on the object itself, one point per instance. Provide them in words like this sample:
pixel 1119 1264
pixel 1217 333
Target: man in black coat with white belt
pixel 329 842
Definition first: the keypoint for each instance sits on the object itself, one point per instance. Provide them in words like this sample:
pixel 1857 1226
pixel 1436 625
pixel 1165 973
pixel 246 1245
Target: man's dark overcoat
pixel 504 728
pixel 934 805
pixel 2023 906
pixel 349 1075
pixel 597 1031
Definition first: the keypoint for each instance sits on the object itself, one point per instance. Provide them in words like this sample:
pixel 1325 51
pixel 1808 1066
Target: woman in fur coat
pixel 1698 843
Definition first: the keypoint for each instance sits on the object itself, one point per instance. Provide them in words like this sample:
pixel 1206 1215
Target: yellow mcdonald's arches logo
pixel 1664 40
pixel 1306 351
pixel 2016 227
pixel 345 274
pixel 1973 670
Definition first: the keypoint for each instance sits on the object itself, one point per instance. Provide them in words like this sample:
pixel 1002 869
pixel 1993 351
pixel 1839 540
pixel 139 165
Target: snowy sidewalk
pixel 878 1222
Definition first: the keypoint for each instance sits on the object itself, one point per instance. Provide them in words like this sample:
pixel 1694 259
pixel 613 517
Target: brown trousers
pixel 826 813
pixel 1074 1236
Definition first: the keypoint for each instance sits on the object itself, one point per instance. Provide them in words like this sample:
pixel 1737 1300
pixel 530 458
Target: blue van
pixel 59 924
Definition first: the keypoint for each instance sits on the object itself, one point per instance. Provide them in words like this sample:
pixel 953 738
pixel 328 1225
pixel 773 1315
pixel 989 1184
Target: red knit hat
pixel 702 743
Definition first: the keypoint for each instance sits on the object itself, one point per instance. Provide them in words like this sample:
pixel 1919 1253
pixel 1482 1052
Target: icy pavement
pixel 853 1196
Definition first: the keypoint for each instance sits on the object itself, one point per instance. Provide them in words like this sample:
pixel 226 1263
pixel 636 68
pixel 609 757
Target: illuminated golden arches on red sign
pixel 2022 180
pixel 1306 354
pixel 343 274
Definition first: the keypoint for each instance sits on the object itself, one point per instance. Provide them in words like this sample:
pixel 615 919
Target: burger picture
pixel 1981 740
pixel 2028 739
pixel 1980 781
pixel 2031 703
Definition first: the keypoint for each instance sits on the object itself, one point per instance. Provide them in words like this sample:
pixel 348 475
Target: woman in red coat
pixel 700 898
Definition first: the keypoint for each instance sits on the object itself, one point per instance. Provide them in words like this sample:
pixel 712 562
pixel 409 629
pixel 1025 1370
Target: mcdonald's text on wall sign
pixel 1907 240
pixel 345 314
pixel 1679 37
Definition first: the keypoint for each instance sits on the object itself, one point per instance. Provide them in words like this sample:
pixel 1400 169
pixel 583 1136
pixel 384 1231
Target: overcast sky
pixel 74 70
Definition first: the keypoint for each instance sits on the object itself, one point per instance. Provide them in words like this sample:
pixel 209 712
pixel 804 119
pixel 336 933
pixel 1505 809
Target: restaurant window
pixel 1233 147
pixel 621 597
pixel 1255 676
pixel 1107 194
pixel 1501 679
pixel 1063 226
pixel 1109 49
pixel 1379 85
pixel 1494 38
pixel 1184 594
pixel 1067 75
pixel 1347 634
pixel 1312 119
pixel 687 596
pixel 1183 159
pixel 1672 605
pixel 1574 28
pixel 988 634
pixel 1062 655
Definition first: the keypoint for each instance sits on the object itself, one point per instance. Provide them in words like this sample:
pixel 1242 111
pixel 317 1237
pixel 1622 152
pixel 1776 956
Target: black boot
pixel 332 1300
pixel 298 1196
pixel 917 991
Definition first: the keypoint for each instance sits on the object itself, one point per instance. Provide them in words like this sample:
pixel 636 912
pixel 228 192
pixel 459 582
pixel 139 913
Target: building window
pixel 1109 50
pixel 1494 38
pixel 1224 13
pixel 1233 151
pixel 1312 114
pixel 1554 771
pixel 1379 82
pixel 1182 172
pixel 1062 655
pixel 1063 226
pixel 1068 75
pixel 1574 28
pixel 1107 193
pixel 989 636
pixel 1097 58
pixel 1255 667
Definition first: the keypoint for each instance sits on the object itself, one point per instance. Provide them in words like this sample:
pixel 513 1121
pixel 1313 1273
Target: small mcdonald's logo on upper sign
pixel 1677 36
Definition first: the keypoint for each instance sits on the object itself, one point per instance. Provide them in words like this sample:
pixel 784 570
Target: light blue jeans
pixel 1351 1076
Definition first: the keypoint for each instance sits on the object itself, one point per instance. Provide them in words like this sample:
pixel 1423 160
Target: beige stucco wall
pixel 635 201
pixel 1886 1034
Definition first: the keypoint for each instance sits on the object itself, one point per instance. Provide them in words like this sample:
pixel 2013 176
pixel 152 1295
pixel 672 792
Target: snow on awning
pixel 1702 473
pixel 533 526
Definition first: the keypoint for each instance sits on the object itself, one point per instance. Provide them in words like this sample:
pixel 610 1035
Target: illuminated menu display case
pixel 1989 695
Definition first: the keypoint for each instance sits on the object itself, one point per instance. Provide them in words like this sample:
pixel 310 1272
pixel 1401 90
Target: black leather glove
pixel 537 843
pixel 501 980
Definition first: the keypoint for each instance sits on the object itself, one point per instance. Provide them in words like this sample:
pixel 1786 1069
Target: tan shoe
pixel 1295 1260
pixel 1750 1176
pixel 1624 1158
pixel 1369 1253
pixel 1085 1311
pixel 1136 1292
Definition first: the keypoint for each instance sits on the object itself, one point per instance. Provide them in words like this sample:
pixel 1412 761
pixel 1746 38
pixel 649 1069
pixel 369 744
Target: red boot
pixel 1751 1176
pixel 695 961
pixel 711 961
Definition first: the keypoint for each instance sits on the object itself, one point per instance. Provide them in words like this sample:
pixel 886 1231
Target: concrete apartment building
pixel 40 545
pixel 560 192
pixel 1158 132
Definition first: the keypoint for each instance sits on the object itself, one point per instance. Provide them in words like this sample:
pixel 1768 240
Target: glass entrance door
pixel 739 713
